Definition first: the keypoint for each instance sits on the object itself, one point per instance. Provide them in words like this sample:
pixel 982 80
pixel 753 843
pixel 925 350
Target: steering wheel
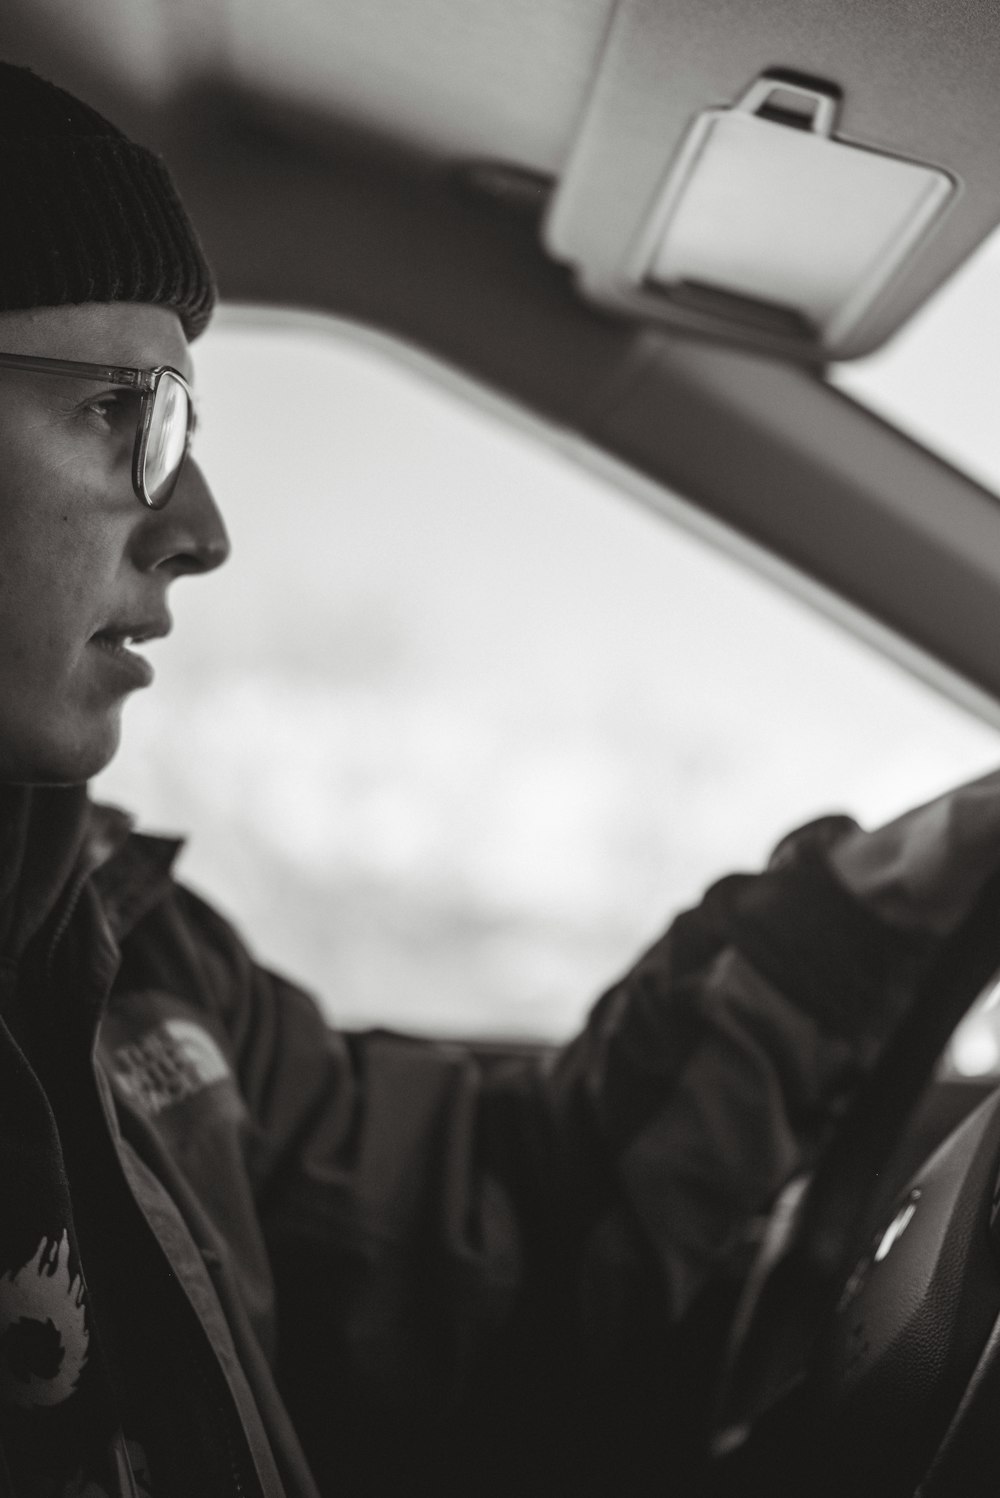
pixel 865 1357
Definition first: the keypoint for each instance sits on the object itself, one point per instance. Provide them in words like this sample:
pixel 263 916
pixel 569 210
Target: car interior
pixel 659 235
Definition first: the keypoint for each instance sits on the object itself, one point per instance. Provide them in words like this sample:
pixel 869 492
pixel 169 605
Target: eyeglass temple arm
pixel 114 374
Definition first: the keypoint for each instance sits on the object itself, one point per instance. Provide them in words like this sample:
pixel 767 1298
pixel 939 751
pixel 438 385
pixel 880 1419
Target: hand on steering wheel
pixel 868 1348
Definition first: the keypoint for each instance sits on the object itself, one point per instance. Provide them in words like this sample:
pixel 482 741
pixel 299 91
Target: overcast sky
pixel 459 725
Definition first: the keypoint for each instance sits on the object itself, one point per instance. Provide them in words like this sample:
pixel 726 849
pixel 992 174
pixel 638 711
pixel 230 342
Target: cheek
pixel 61 553
pixel 51 579
pixel 64 544
pixel 53 725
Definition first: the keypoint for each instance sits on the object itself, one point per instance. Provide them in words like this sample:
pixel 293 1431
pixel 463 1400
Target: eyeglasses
pixel 165 421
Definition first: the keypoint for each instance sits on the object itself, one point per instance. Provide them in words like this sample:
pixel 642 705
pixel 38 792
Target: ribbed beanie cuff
pixel 87 215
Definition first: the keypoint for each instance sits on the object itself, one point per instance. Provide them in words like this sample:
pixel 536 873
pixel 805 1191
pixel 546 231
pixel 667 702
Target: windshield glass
pixel 462 725
pixel 938 378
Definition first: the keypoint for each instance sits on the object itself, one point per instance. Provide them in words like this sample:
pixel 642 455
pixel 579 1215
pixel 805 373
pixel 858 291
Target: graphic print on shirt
pixel 43 1331
pixel 171 1062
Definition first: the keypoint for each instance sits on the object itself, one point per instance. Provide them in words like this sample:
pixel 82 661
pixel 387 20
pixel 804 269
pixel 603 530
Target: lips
pixel 114 640
pixel 117 636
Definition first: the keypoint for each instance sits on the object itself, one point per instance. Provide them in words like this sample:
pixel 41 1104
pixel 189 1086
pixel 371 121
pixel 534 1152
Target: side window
pixel 461 725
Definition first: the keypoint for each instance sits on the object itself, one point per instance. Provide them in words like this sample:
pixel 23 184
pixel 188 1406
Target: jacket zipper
pixel 68 912
pixel 225 1421
pixel 124 1471
pixel 239 1490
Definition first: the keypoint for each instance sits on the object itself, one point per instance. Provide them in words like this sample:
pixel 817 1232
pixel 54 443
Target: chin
pixel 70 756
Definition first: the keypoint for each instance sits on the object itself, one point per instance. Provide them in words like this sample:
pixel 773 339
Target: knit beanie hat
pixel 86 215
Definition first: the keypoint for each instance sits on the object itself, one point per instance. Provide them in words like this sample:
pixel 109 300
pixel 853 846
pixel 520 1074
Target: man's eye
pixel 113 408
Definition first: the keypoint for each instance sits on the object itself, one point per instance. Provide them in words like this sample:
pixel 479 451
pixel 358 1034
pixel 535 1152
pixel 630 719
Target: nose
pixel 187 536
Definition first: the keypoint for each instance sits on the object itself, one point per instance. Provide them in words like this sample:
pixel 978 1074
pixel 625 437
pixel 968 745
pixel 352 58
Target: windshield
pixel 462 724
pixel 939 377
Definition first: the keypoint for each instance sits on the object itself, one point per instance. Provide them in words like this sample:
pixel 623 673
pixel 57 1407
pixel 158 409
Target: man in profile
pixel 241 1253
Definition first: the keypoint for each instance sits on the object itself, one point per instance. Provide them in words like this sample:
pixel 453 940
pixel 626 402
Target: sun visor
pixel 767 218
pixel 806 215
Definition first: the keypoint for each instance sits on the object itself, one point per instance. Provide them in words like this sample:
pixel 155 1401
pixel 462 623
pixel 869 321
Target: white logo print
pixel 43 1334
pixel 170 1063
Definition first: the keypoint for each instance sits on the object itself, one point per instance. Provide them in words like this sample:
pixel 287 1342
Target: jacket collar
pixel 132 870
pixel 43 832
pixel 53 839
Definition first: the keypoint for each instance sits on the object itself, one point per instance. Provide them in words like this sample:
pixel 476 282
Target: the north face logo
pixel 168 1064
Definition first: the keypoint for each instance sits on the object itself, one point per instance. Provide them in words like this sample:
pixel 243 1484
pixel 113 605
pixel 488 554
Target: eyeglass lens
pixel 167 440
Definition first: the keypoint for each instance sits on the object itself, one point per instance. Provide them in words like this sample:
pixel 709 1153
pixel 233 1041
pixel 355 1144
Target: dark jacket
pixel 408 1263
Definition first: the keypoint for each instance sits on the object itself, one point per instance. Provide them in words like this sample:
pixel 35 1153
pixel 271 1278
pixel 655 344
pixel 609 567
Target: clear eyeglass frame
pixel 157 391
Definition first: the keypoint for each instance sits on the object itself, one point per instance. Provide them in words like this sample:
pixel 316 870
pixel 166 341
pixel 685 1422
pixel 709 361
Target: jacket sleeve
pixel 443 1230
